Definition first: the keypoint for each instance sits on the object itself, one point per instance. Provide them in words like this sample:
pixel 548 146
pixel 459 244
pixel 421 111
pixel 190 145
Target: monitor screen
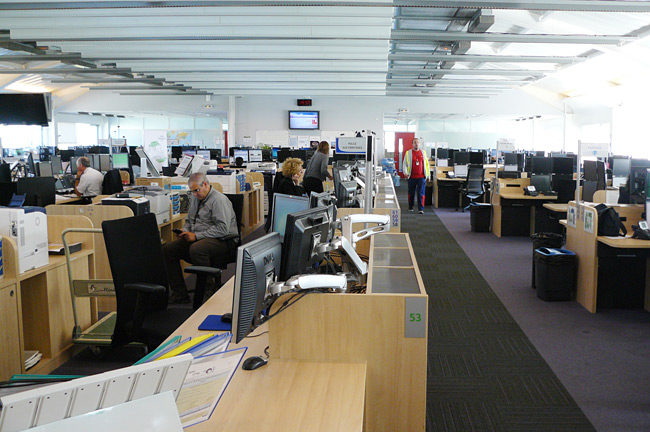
pixel 283 205
pixel 66 155
pixel 324 199
pixel 45 169
pixel 267 155
pixel 241 154
pixel 637 185
pixel 476 158
pixel 105 162
pixel 300 154
pixel 590 170
pixel 305 230
pixel 255 155
pixel 562 165
pixel 304 120
pixel 258 264
pixel 30 164
pixel 177 152
pixel 461 158
pixel 443 153
pixel 283 154
pixel 57 165
pixel 121 160
pixel 275 153
pixel 215 154
pixel 510 159
pixel 621 167
pixel 542 165
pixel 73 165
pixel 542 182
pixel 205 154
pixel 38 191
pixel 25 109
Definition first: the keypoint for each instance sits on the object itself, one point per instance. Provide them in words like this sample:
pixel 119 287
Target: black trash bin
pixel 547 240
pixel 555 274
pixel 480 215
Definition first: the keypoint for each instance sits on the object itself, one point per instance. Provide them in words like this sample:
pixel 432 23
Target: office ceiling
pixel 460 49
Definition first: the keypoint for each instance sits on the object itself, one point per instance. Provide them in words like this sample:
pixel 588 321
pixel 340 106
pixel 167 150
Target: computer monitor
pixel 621 167
pixel 239 153
pixel 324 199
pixel 258 264
pixel 636 184
pixel 300 154
pixel 80 151
pixel 542 165
pixel 215 154
pixel 476 158
pixel 45 169
pixel 120 160
pixel 443 153
pixel 267 155
pixel 38 191
pixel 73 165
pixel 30 164
pixel 66 155
pixel 177 152
pixel 461 158
pixel 57 165
pixel 510 159
pixel 562 165
pixel 305 230
pixel 283 205
pixel 588 189
pixel 283 154
pixel 275 153
pixel 105 162
pixel 205 154
pixel 189 151
pixel 94 160
pixel 542 182
pixel 539 153
pixel 150 166
pixel 255 155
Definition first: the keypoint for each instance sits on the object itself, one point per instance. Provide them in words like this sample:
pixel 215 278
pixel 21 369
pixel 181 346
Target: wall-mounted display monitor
pixel 25 109
pixel 304 120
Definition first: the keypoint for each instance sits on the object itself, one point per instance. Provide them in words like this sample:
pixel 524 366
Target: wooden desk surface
pixel 558 208
pixel 283 395
pixel 624 242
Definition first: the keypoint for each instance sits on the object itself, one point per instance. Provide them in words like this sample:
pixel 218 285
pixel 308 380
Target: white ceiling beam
pixel 254 66
pixel 222 44
pixel 401 55
pixel 412 35
pixel 486 72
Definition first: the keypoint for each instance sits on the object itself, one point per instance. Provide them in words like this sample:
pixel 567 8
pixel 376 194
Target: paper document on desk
pixel 205 382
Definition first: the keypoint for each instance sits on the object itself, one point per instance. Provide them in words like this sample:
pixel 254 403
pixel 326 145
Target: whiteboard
pixel 273 138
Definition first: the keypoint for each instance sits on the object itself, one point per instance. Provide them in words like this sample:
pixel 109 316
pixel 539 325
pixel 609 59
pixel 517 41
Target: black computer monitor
pixel 477 158
pixel 38 191
pixel 510 159
pixel 215 154
pixel 542 182
pixel 267 155
pixel 442 153
pixel 57 165
pixel 621 167
pixel 30 164
pixel 589 171
pixel 347 156
pixel 305 231
pixel 73 165
pixel 66 155
pixel 539 153
pixel 645 163
pixel 461 158
pixel 636 184
pixel 562 165
pixel 120 161
pixel 177 152
pixel 324 199
pixel 588 189
pixel 258 264
pixel 80 151
pixel 283 154
pixel 542 165
pixel 300 154
pixel 283 205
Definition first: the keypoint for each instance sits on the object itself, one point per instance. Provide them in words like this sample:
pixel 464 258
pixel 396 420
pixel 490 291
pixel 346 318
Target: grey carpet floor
pixel 484 374
pixel 602 359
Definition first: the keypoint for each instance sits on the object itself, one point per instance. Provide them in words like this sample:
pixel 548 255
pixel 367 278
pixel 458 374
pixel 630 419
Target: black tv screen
pixel 24 109
pixel 304 120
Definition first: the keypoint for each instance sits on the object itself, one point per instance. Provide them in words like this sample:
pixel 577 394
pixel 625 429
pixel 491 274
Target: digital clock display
pixel 304 102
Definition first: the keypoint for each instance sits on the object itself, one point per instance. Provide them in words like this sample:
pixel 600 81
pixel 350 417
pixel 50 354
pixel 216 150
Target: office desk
pixel 325 329
pixel 612 272
pixel 513 213
pixel 548 216
pixel 385 202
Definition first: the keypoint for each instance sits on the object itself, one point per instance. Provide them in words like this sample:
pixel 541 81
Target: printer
pixel 159 200
pixel 139 205
pixel 28 229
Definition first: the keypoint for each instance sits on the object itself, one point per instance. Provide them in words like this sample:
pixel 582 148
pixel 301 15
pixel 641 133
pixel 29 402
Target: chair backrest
pixel 237 201
pixel 475 180
pixel 112 182
pixel 135 256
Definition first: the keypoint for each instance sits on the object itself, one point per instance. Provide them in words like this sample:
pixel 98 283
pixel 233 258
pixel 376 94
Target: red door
pixel 403 143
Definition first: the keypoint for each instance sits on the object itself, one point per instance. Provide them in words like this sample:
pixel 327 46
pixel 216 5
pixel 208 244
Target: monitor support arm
pixel 334 283
pixel 382 222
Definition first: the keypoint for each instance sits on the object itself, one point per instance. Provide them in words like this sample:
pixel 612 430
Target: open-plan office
pixel 533 76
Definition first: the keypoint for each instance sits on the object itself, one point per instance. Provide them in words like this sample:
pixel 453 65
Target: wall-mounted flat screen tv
pixel 304 120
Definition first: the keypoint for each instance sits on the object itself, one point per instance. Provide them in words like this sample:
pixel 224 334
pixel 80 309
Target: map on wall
pixel 155 146
pixel 183 139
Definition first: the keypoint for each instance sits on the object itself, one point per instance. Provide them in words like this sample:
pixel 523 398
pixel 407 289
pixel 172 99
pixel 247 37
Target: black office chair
pixel 112 182
pixel 474 188
pixel 140 277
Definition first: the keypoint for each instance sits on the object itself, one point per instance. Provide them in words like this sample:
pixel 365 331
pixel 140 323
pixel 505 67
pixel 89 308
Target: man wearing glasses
pixel 210 221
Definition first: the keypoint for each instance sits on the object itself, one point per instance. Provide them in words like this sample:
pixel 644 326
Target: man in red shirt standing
pixel 416 169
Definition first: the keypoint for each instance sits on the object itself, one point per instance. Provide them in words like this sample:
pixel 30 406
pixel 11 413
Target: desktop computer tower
pixel 29 231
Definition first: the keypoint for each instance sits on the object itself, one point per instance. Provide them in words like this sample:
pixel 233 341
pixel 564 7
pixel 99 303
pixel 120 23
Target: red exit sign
pixel 304 102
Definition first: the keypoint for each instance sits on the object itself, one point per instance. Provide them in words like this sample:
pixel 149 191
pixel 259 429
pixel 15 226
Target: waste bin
pixel 547 240
pixel 555 274
pixel 480 215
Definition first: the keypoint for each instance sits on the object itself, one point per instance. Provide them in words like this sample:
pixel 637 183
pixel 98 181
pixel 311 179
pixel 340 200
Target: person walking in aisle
pixel 416 170
pixel 316 171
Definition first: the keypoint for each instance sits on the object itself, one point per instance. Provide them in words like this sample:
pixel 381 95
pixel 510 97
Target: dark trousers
pixel 206 252
pixel 416 192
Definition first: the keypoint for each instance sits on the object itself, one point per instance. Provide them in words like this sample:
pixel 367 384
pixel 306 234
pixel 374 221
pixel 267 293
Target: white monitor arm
pixel 382 222
pixel 333 283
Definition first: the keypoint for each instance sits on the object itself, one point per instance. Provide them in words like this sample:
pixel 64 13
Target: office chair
pixel 141 286
pixel 474 187
pixel 312 184
pixel 112 182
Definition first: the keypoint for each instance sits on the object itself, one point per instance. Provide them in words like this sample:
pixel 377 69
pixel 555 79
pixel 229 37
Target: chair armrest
pixel 146 288
pixel 209 271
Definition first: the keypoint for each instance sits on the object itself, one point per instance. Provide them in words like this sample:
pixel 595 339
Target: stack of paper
pixel 199 346
pixel 31 358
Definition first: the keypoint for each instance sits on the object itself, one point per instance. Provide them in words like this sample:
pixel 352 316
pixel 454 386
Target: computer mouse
pixel 252 363
pixel 226 318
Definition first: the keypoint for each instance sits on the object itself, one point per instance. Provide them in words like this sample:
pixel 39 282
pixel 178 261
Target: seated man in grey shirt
pixel 209 223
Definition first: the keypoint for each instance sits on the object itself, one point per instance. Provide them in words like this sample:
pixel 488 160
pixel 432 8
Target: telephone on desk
pixel 530 190
pixel 641 231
